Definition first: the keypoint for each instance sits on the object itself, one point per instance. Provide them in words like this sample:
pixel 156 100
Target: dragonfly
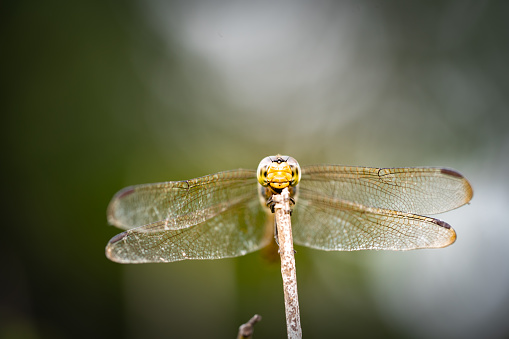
pixel 333 208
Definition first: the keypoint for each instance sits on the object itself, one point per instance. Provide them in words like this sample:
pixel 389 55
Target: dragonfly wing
pixel 181 204
pixel 418 190
pixel 244 227
pixel 327 223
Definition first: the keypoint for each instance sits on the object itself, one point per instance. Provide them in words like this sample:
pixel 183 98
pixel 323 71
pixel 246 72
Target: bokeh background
pixel 98 95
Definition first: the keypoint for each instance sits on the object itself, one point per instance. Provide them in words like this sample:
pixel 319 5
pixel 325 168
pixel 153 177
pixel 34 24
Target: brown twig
pixel 288 272
pixel 246 330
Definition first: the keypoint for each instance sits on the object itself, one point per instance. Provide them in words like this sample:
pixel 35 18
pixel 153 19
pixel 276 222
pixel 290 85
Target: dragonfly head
pixel 278 172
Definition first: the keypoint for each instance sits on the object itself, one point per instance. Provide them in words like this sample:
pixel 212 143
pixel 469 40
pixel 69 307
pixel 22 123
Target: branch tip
pixel 246 330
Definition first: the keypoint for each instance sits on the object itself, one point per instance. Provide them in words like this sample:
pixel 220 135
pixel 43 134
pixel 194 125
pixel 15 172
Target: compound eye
pixel 261 172
pixel 295 167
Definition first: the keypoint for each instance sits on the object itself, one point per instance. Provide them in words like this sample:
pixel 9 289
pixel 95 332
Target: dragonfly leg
pixel 292 203
pixel 271 204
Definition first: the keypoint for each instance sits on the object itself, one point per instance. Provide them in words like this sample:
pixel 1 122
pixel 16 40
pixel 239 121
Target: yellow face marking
pixel 278 172
pixel 279 175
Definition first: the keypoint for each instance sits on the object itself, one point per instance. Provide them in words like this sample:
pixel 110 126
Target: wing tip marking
pixel 443 224
pixel 110 214
pixel 110 248
pixel 451 172
pixel 469 192
pixel 117 238
pixel 123 193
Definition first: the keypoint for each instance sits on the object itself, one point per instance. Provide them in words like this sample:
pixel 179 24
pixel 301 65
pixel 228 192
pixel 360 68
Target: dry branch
pixel 246 330
pixel 288 272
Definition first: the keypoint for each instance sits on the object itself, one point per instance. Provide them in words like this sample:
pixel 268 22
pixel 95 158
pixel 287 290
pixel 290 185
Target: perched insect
pixel 335 208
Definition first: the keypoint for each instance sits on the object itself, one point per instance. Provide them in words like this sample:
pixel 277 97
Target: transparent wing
pixel 181 204
pixel 415 190
pixel 327 223
pixel 242 228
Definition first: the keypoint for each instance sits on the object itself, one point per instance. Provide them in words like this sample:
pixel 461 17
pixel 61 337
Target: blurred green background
pixel 98 95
